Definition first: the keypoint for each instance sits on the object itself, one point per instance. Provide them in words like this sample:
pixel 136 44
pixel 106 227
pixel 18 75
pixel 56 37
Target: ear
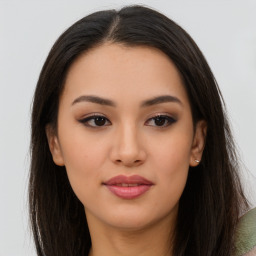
pixel 54 145
pixel 198 143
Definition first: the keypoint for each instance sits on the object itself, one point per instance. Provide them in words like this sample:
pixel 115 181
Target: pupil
pixel 159 121
pixel 100 121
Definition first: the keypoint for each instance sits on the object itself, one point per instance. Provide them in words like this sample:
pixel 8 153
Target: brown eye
pixel 95 121
pixel 100 121
pixel 161 121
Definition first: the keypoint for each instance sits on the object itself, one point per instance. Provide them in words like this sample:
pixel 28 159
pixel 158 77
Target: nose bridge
pixel 128 138
pixel 127 146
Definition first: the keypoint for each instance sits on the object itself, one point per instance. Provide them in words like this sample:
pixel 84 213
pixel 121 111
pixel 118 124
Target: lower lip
pixel 128 192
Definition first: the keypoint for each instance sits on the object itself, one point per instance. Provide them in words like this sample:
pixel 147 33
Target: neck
pixel 154 240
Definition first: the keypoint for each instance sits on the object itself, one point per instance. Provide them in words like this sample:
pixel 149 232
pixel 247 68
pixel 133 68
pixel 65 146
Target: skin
pixel 130 142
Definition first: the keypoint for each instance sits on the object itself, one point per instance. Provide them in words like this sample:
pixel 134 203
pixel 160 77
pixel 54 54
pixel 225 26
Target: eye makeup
pixel 99 120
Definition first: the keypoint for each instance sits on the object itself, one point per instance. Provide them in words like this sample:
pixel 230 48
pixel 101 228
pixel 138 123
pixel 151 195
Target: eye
pixel 161 121
pixel 95 121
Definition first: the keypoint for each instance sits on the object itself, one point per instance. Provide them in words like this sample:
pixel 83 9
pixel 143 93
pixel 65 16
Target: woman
pixel 131 149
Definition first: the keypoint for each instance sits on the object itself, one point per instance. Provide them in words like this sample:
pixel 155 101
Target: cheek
pixel 84 157
pixel 82 149
pixel 172 159
pixel 174 170
pixel 173 152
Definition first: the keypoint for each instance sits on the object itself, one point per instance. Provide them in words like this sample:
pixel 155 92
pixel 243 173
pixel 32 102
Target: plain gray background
pixel 225 30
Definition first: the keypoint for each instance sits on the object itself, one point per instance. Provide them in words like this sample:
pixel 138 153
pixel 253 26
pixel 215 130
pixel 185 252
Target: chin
pixel 128 224
pixel 132 220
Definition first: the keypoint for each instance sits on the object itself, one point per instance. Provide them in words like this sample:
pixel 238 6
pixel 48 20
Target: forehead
pixel 119 72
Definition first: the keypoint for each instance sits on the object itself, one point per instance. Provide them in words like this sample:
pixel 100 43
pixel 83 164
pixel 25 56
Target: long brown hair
pixel 213 198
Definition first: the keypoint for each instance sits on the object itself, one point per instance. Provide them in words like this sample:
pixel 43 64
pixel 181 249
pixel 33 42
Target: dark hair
pixel 213 197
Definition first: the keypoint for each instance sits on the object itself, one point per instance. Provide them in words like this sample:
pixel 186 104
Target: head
pixel 208 194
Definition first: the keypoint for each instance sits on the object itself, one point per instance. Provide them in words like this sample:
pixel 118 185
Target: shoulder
pixel 246 235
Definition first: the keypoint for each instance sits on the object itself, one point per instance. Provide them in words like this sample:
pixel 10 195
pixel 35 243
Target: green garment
pixel 246 234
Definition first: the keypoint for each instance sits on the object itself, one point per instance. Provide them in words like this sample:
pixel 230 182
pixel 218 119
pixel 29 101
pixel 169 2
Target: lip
pixel 128 187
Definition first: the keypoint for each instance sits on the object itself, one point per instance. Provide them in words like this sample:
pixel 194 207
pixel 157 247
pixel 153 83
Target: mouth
pixel 128 187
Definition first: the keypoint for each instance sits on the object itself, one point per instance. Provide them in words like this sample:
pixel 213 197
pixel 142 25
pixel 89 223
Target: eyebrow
pixel 146 103
pixel 94 99
pixel 160 99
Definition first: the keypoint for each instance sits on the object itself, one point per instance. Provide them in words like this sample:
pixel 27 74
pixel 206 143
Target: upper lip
pixel 122 179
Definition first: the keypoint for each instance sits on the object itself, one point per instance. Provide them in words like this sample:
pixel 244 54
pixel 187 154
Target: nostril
pixel 129 163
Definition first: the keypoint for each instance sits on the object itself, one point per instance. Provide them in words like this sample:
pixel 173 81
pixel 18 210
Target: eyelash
pixel 168 120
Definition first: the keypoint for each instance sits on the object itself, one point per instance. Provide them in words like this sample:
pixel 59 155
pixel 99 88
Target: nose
pixel 128 148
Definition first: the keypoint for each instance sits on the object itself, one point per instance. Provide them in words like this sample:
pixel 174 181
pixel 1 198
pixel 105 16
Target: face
pixel 125 135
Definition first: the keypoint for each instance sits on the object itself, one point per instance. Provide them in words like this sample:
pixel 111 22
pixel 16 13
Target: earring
pixel 197 161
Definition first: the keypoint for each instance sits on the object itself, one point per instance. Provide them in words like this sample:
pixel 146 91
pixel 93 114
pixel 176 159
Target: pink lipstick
pixel 128 187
